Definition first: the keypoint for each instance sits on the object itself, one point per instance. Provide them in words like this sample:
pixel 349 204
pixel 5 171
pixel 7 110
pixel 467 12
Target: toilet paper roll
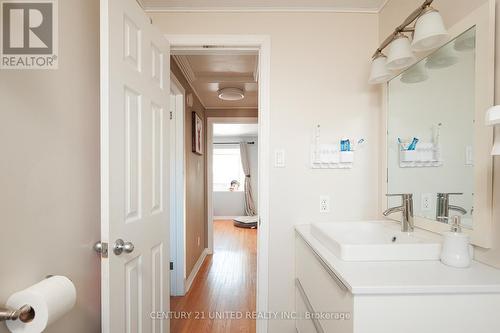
pixel 50 299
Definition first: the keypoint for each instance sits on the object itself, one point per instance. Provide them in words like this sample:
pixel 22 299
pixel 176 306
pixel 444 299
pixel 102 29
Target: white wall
pixel 228 203
pixel 319 69
pixel 233 203
pixel 49 170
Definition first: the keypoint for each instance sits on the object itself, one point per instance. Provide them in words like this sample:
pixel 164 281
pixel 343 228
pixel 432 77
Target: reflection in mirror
pixel 431 131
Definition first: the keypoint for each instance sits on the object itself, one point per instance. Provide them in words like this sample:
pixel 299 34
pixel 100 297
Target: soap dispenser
pixel 456 250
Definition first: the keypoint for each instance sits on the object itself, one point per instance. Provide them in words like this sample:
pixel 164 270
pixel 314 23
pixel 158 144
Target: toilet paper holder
pixel 25 314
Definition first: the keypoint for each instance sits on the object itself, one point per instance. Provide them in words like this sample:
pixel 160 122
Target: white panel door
pixel 135 88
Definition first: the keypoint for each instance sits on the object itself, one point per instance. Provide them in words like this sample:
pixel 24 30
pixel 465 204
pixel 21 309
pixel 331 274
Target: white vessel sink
pixel 374 241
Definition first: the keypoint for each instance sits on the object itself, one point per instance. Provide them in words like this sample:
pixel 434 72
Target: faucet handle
pixel 445 194
pixel 402 195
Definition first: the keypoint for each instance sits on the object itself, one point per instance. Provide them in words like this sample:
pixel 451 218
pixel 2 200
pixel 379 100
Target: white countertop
pixel 406 277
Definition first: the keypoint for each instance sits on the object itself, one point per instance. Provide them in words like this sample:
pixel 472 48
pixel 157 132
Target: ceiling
pixel 209 73
pixel 265 5
pixel 235 130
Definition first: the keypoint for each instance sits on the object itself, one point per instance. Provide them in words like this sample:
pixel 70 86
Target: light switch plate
pixel 279 158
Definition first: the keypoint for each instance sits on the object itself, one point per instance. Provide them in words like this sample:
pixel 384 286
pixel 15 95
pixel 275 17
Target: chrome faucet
pixel 443 207
pixel 406 208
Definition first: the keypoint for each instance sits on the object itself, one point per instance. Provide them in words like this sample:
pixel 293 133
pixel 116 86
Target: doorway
pixel 181 46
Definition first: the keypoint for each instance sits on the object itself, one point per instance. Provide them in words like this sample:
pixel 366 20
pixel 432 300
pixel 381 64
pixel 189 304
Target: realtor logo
pixel 28 34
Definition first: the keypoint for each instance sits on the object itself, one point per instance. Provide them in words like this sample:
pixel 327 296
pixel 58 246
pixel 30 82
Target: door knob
pixel 101 248
pixel 121 246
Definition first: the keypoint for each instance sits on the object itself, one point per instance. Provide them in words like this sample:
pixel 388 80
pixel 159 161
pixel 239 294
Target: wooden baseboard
pixel 194 271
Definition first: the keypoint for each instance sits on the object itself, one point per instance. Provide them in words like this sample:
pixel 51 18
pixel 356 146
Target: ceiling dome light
pixel 430 31
pixel 231 94
pixel 415 74
pixel 379 72
pixel 444 57
pixel 400 54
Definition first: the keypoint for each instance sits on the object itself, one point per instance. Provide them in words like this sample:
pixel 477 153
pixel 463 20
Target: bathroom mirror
pixel 437 142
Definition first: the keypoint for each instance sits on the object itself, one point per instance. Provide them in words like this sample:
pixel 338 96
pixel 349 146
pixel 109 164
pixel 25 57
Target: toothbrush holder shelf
pixel 425 155
pixel 329 156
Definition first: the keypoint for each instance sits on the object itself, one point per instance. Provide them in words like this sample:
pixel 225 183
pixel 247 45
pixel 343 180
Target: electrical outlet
pixel 425 201
pixel 198 241
pixel 324 204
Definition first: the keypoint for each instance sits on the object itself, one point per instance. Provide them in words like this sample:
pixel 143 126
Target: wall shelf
pixel 425 155
pixel 329 156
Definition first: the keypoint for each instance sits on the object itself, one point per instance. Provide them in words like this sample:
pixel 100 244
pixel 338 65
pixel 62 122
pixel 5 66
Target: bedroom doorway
pixel 232 173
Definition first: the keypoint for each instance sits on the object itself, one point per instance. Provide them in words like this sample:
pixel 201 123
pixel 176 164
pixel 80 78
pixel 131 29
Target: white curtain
pixel 249 202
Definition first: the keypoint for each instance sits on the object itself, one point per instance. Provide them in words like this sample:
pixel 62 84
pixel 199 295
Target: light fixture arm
pixel 403 27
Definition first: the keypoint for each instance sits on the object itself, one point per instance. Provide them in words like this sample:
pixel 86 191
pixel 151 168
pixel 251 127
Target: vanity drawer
pixel 328 297
pixel 304 325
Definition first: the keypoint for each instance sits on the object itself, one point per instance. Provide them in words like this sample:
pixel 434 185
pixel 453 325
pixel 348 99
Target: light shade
pixel 466 41
pixel 415 74
pixel 492 119
pixel 400 54
pixel 430 31
pixel 231 94
pixel 379 72
pixel 442 58
pixel 493 115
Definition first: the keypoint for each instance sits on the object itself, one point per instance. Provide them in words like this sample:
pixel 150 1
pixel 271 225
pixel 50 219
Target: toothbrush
pixel 413 144
pixel 401 144
pixel 357 144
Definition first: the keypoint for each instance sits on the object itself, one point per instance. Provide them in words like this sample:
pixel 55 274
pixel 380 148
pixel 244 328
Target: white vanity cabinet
pixel 318 290
pixel 333 296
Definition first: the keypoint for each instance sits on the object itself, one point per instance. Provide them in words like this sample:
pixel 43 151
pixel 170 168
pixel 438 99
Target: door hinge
pixel 171 265
pixel 101 248
pixel 171 115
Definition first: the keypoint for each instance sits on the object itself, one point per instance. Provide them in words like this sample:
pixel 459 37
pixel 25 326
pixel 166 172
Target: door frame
pixel 262 45
pixel 210 155
pixel 177 191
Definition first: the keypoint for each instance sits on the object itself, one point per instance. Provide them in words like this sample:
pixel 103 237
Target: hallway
pixel 225 286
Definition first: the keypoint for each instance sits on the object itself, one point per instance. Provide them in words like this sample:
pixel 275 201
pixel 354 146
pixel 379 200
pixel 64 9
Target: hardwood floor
pixel 225 287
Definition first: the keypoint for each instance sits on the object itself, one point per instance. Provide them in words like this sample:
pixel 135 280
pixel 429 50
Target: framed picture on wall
pixel 197 134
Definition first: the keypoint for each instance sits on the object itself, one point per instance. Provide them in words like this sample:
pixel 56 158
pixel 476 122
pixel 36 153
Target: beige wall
pixel 453 11
pixel 49 174
pixel 319 70
pixel 196 216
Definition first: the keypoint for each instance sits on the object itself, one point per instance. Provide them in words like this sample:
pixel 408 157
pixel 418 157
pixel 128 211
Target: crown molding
pixel 157 9
pixel 188 73
pixel 185 67
pixel 382 6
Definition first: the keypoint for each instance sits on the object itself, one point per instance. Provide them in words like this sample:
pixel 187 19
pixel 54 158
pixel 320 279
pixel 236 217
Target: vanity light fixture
pixel 400 54
pixel 231 94
pixel 428 33
pixel 442 58
pixel 466 42
pixel 493 119
pixel 417 73
pixel 379 72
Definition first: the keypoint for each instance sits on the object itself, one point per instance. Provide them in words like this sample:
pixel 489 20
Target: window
pixel 227 167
